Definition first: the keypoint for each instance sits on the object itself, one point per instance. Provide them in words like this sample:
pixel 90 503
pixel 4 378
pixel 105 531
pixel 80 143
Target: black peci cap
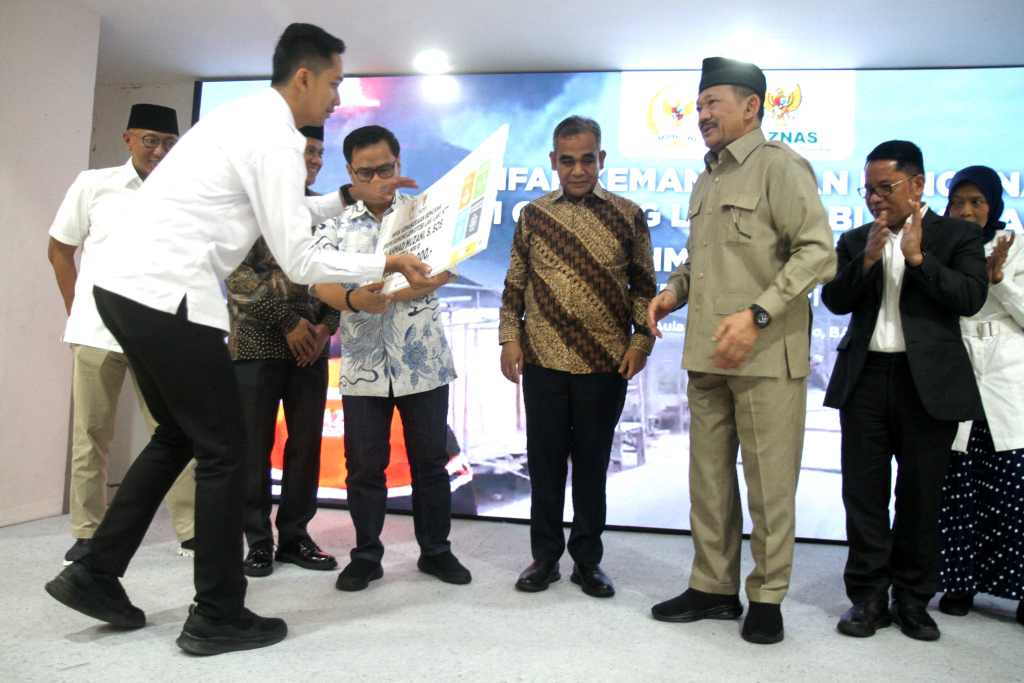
pixel 154 117
pixel 724 71
pixel 315 132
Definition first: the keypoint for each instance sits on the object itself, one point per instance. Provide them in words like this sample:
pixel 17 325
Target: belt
pixel 990 328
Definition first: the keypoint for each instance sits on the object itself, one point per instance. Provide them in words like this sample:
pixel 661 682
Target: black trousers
pixel 368 452
pixel 882 419
pixel 569 416
pixel 184 373
pixel 265 384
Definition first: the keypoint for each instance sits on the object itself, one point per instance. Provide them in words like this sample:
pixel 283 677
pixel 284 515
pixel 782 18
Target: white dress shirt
pixel 237 173
pixel 888 334
pixel 995 343
pixel 90 207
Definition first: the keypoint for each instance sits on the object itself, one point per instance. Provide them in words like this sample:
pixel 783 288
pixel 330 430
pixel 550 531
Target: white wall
pixel 48 49
pixel 110 116
pixel 113 103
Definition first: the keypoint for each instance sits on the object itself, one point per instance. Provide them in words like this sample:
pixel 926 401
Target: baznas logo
pixel 665 113
pixel 782 106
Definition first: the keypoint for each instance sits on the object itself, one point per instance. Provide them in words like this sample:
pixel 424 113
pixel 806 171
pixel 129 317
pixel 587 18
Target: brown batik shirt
pixel 579 283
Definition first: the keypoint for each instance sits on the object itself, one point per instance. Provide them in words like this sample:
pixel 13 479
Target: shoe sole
pixel 66 593
pixel 927 634
pixel 724 613
pixel 299 562
pixel 866 631
pixel 217 646
pixel 378 573
pixel 537 587
pixel 763 640
pixel 186 553
pixel 256 572
pixel 599 593
pixel 460 581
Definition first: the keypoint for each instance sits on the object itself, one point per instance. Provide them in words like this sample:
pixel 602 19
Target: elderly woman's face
pixel 967 202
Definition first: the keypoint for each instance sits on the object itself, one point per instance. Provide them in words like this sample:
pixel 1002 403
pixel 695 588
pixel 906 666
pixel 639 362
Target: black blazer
pixel 951 282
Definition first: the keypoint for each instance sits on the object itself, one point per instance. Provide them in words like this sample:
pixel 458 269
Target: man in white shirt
pixel 902 381
pixel 237 174
pixel 93 202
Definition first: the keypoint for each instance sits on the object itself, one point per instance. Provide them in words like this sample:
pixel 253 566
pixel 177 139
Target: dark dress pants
pixel 883 418
pixel 266 384
pixel 569 416
pixel 368 452
pixel 184 373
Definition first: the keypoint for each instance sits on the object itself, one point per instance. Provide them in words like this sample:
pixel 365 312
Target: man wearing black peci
pixel 902 382
pixel 237 174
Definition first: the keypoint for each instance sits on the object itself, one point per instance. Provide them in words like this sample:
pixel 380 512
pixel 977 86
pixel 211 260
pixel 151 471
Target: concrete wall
pixel 49 50
pixel 110 116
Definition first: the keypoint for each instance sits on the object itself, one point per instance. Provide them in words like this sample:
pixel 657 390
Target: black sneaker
pixel 694 605
pixel 204 636
pixel 763 624
pixel 444 566
pixel 187 548
pixel 358 575
pixel 97 595
pixel 260 560
pixel 307 555
pixel 80 548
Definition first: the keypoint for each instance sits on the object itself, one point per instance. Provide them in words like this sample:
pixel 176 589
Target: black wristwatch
pixel 761 317
pixel 346 195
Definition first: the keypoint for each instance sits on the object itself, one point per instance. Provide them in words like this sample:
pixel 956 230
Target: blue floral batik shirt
pixel 403 349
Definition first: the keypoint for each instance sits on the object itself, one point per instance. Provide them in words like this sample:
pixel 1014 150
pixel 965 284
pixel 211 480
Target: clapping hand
pixel 876 241
pixel 910 240
pixel 997 258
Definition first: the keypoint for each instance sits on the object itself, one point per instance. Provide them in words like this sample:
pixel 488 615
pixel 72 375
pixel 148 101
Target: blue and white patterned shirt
pixel 403 349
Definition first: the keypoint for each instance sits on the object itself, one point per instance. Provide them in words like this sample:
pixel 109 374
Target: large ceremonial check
pixel 451 220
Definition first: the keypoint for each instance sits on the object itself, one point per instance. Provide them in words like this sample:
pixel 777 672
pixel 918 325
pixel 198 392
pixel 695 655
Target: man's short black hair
pixel 303 45
pixel 743 92
pixel 574 125
pixel 907 156
pixel 366 136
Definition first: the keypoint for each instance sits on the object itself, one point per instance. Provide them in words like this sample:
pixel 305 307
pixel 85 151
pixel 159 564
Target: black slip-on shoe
pixel 80 548
pixel 694 605
pixel 247 631
pixel 763 624
pixel 187 548
pixel 538 576
pixel 358 575
pixel 260 560
pixel 444 566
pixel 307 555
pixel 99 596
pixel 956 604
pixel 592 579
pixel 864 618
pixel 915 621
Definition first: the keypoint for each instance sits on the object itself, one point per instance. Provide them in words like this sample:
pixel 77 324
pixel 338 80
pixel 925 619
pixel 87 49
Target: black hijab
pixel 991 186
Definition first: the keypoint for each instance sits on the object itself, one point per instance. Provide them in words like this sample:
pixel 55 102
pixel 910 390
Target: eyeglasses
pixel 366 174
pixel 882 190
pixel 150 141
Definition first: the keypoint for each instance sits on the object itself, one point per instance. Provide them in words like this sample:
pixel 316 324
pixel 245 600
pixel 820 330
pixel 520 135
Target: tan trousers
pixel 96 387
pixel 764 418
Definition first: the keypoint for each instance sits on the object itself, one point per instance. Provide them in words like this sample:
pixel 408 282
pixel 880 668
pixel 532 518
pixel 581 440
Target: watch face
pixel 762 318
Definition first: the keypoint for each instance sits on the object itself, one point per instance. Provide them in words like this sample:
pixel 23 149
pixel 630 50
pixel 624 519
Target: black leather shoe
pixel 99 596
pixel 307 555
pixel 204 636
pixel 538 576
pixel 763 624
pixel 915 621
pixel 956 604
pixel 694 605
pixel 444 566
pixel 260 560
pixel 358 575
pixel 864 618
pixel 592 580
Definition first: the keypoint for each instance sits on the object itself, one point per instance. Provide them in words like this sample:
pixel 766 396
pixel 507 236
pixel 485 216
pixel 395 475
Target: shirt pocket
pixel 738 213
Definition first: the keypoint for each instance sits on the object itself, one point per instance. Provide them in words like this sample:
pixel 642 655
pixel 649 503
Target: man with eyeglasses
pixel 398 359
pixel 902 382
pixel 279 343
pixel 100 364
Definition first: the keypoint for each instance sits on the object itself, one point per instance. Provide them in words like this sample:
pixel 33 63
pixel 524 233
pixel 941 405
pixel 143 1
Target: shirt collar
pixel 276 102
pixel 131 176
pixel 739 149
pixel 599 192
pixel 359 208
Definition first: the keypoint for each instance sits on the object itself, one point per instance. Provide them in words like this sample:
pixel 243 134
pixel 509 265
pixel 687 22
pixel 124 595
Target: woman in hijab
pixel 983 496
